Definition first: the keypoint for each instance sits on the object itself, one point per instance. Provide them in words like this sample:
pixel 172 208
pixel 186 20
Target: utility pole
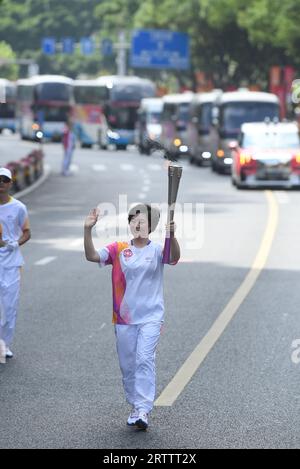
pixel 121 47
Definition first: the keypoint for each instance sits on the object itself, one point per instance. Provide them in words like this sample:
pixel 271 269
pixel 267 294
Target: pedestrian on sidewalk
pixel 14 232
pixel 138 305
pixel 69 143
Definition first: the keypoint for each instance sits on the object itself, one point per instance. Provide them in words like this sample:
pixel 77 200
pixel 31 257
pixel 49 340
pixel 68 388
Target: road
pixel 63 387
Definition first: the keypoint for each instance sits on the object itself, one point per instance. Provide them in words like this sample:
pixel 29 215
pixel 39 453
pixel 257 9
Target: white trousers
pixel 67 160
pixel 9 300
pixel 136 347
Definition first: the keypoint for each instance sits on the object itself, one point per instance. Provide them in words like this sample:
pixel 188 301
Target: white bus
pixel 89 99
pixel 232 110
pixel 123 96
pixel 7 105
pixel 44 103
pixel 174 122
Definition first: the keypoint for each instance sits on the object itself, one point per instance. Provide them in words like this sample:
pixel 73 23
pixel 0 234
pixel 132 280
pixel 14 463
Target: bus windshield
pixel 53 92
pixel 52 113
pixel 10 93
pixel 132 92
pixel 154 117
pixel 205 115
pixel 233 115
pixel 89 94
pixel 122 118
pixel 7 110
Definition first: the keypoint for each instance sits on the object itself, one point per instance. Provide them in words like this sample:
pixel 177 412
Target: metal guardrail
pixel 27 170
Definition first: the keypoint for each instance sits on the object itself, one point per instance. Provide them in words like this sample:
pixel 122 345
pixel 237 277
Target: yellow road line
pixel 191 365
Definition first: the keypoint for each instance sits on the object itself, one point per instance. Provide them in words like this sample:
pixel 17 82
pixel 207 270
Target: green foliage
pixel 233 40
pixel 9 71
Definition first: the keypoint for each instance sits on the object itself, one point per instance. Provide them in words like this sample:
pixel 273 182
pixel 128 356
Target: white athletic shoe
pixel 2 352
pixel 9 353
pixel 134 415
pixel 142 421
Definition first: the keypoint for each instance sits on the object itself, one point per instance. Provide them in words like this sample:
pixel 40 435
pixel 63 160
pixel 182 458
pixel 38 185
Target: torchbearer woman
pixel 138 305
pixel 14 231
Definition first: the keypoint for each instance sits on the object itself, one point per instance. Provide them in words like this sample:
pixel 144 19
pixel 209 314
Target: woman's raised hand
pixel 92 218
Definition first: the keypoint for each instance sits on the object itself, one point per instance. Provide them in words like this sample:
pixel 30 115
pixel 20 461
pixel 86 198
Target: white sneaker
pixel 134 415
pixel 9 353
pixel 2 352
pixel 142 421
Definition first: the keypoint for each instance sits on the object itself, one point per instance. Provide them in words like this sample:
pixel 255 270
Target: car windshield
pixel 233 115
pixel 271 140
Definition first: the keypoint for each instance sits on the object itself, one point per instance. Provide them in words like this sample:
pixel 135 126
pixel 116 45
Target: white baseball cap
pixel 5 172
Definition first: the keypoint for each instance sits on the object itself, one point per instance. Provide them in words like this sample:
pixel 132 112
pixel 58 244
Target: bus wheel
pixel 121 147
pixel 86 145
pixel 103 147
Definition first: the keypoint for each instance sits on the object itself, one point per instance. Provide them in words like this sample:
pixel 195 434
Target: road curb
pixel 35 185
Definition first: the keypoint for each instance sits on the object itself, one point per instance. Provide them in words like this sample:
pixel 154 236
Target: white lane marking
pixel 196 358
pixel 76 242
pixel 155 167
pixel 99 167
pixel 103 325
pixel 45 260
pixel 142 196
pixel 127 167
pixel 74 168
pixel 282 197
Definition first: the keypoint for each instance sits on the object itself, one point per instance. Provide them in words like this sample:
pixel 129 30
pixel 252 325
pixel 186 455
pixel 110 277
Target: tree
pixel 9 71
pixel 220 45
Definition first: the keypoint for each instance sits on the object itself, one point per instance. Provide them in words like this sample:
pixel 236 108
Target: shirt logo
pixel 127 253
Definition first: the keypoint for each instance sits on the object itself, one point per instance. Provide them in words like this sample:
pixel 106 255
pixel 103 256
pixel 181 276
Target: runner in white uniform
pixel 14 231
pixel 138 305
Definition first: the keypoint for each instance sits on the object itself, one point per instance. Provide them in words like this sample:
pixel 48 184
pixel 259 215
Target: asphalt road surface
pixel 63 387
